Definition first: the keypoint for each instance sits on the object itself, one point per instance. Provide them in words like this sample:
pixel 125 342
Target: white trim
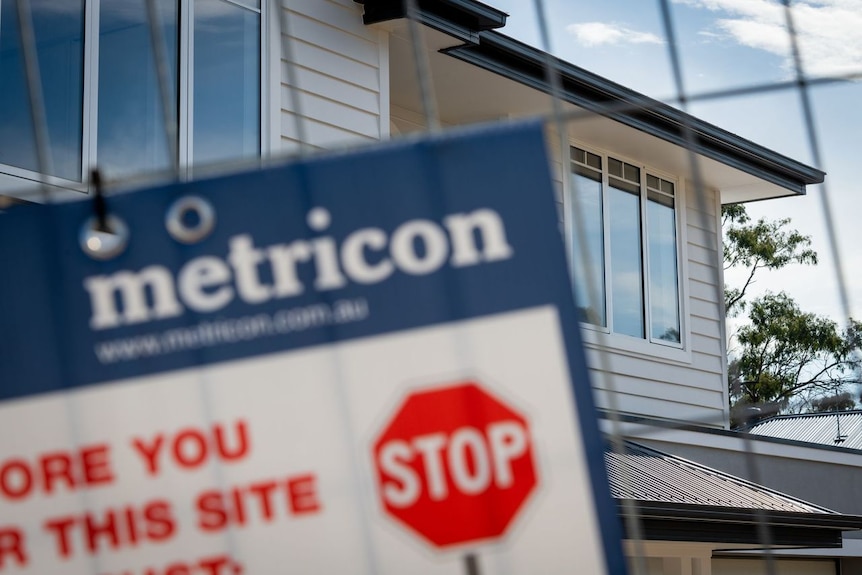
pixel 600 340
pixel 240 4
pixel 26 185
pixel 383 83
pixel 719 244
pixel 760 446
pixel 682 247
pixel 265 77
pixel 90 124
pixel 185 88
pixel 271 115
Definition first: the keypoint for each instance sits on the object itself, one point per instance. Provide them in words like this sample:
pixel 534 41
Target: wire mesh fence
pixel 426 103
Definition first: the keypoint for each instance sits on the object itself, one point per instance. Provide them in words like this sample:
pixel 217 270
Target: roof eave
pixel 522 63
pixel 685 522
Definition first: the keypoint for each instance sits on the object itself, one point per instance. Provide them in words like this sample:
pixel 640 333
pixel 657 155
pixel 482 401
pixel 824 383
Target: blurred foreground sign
pixel 370 364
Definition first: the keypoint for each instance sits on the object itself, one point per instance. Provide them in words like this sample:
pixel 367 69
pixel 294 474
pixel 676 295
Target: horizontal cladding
pixel 708 292
pixel 642 386
pixel 336 65
pixel 336 89
pixel 328 36
pixel 654 369
pixel 700 237
pixel 336 13
pixel 661 409
pixel 338 70
pixel 701 254
pixel 319 134
pixel 331 112
pixel 702 272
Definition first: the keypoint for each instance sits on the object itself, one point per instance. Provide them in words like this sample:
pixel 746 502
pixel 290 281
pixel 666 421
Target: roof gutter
pixel 463 19
pixel 685 522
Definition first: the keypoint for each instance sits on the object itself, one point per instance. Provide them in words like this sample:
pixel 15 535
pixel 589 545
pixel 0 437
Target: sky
pixel 737 44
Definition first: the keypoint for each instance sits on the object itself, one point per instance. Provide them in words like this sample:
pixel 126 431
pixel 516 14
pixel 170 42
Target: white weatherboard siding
pixel 691 388
pixel 340 67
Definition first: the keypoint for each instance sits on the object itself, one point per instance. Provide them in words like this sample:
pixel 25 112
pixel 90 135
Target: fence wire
pixel 564 124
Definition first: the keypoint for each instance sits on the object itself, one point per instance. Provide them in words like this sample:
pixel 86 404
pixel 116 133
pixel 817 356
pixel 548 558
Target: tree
pixel 786 354
pixel 784 359
pixel 755 246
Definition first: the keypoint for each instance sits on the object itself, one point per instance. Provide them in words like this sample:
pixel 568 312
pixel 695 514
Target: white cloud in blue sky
pixel 600 34
pixel 829 32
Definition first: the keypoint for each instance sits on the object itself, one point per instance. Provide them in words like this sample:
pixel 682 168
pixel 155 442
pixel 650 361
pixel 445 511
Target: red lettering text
pixel 89 466
pixel 12 545
pixel 190 448
pixel 217 565
pixel 112 528
pixel 262 501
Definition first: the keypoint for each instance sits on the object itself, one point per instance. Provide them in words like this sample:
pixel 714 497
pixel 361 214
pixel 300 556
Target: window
pixel 103 104
pixel 624 248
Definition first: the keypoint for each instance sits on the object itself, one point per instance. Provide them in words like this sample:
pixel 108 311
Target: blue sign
pixel 328 291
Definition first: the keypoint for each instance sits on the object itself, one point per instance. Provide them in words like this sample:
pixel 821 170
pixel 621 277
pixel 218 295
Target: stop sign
pixel 455 464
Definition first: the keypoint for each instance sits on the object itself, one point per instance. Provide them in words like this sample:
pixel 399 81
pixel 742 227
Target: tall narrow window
pixel 663 290
pixel 58 27
pixel 226 81
pixel 588 247
pixel 624 215
pixel 131 135
pixel 624 240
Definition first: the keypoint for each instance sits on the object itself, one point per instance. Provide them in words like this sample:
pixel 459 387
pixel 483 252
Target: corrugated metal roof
pixel 838 429
pixel 644 474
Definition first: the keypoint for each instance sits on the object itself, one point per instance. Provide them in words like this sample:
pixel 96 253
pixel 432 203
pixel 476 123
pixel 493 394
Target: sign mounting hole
pixel 190 219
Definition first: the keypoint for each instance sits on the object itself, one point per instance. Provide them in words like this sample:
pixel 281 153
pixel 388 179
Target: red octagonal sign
pixel 455 464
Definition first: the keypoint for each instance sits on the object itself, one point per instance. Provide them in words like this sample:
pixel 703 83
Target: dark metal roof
pixel 680 500
pixel 839 429
pixel 644 474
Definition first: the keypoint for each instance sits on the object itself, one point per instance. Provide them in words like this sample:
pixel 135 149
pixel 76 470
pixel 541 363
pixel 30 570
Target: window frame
pixel 604 336
pixel 26 184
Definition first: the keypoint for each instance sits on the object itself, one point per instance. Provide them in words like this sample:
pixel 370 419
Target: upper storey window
pixel 624 241
pixel 102 99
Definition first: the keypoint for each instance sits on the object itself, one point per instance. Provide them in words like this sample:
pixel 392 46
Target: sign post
pixel 360 363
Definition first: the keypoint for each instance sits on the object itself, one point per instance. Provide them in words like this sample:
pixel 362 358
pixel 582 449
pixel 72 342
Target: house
pixel 640 185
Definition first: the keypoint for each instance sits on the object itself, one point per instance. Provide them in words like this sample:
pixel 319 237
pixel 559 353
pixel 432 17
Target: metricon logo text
pixel 207 284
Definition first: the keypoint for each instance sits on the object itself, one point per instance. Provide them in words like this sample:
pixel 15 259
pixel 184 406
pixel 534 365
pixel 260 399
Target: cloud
pixel 829 32
pixel 598 34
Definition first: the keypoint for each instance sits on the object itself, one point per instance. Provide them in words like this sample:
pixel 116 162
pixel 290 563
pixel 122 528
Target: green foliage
pixel 762 245
pixel 785 359
pixel 786 353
